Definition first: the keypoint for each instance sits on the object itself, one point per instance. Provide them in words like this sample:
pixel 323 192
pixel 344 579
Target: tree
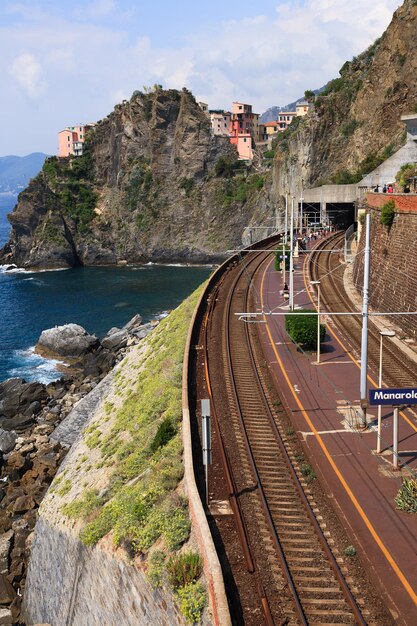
pixel 406 173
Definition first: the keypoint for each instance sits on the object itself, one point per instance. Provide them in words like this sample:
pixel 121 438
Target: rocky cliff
pixel 153 184
pixel 356 123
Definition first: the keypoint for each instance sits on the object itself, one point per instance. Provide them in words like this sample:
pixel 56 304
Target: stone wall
pixel 90 586
pixel 393 281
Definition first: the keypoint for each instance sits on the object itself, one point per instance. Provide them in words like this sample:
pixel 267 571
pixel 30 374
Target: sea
pixel 97 298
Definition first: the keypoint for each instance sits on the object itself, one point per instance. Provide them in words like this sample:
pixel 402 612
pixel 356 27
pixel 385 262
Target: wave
pixel 13 269
pixel 32 366
pixel 160 316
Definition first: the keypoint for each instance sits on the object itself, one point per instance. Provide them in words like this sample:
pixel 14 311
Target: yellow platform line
pixel 322 445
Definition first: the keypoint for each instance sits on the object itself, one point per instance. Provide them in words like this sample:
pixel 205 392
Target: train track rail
pixel 399 370
pixel 298 579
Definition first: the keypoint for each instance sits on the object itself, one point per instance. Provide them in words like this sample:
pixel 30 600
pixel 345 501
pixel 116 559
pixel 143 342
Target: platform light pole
pixel 395 438
pixel 382 334
pixel 301 213
pixel 317 284
pixel 365 309
pixel 286 220
pixel 292 256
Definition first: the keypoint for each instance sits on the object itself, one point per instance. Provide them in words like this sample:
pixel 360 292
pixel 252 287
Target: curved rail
pixel 292 526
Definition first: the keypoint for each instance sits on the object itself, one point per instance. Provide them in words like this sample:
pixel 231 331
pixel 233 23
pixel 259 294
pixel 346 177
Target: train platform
pixel 323 400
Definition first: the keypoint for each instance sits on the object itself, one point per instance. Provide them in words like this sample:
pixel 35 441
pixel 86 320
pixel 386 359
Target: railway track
pixel 298 579
pixel 399 371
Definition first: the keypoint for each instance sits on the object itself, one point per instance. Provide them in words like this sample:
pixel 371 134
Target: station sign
pixel 393 397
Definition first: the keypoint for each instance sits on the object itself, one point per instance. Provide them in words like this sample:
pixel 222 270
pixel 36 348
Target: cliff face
pixel 153 184
pixel 356 123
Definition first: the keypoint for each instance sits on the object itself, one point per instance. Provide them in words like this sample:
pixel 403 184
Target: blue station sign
pixel 393 396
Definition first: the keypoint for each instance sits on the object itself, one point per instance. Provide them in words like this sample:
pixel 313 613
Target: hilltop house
pixel 244 124
pixel 220 123
pixel 71 140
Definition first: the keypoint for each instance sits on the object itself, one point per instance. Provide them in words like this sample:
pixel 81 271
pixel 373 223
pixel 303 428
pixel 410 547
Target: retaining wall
pixel 393 279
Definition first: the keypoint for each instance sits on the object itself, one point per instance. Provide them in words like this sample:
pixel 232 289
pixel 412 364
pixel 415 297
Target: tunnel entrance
pixel 341 215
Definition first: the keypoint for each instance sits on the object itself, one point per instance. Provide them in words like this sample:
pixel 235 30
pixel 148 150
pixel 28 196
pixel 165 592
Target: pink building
pixel 71 139
pixel 243 129
pixel 244 147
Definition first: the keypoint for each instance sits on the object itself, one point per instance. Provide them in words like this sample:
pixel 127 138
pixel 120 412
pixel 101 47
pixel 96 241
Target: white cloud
pixel 95 10
pixel 27 72
pixel 82 67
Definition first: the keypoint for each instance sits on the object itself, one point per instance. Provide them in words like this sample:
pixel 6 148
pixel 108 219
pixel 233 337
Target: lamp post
pixel 286 220
pixel 317 284
pixel 382 334
pixel 301 213
pixel 292 255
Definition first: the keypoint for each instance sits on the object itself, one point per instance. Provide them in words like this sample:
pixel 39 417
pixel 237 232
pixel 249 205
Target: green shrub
pixel 83 506
pixel 156 567
pixel 184 568
pixel 96 529
pixel 65 487
pixel 166 431
pixel 192 601
pixel 348 128
pixel 269 154
pixel 350 551
pixel 177 528
pixel 406 498
pixel 387 213
pixel 406 173
pixel 187 184
pixel 303 328
pixel 226 168
pixel 286 250
pixel 307 471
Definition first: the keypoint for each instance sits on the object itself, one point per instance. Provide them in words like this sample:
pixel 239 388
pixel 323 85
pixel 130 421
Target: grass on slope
pixel 143 448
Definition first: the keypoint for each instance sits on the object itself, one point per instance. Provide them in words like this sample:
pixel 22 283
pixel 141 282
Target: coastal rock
pixel 70 340
pixel 5 547
pixel 133 324
pixel 7 593
pixel 144 330
pixel 99 363
pixel 6 617
pixel 18 422
pixel 116 340
pixel 7 440
pixel 16 395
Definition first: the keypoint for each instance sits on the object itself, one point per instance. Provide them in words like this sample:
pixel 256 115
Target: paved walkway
pixel 361 484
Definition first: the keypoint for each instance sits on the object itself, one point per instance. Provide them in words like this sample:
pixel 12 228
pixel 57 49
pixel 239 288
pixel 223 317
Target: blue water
pixel 95 297
pixel 7 202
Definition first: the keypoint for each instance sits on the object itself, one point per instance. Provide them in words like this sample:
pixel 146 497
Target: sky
pixel 65 62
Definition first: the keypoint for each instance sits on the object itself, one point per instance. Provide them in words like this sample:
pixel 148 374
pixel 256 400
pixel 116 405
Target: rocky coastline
pixel 30 450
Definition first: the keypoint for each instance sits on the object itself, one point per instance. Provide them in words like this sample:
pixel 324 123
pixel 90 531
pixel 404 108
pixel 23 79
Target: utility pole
pixel 284 260
pixel 292 256
pixel 365 307
pixel 286 219
pixel 301 213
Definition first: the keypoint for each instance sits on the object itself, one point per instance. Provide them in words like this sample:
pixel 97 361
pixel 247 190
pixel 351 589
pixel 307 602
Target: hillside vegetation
pixel 123 479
